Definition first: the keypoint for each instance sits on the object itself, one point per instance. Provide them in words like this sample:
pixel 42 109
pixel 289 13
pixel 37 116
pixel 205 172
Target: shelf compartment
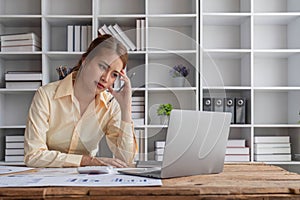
pixel 136 64
pixel 23 63
pixel 159 66
pixel 179 99
pixel 231 6
pixel 226 32
pixel 172 7
pixel 55 30
pixel 241 133
pixel 56 60
pixel 163 31
pixel 67 7
pixel 276 107
pixel 23 7
pixel 226 69
pixel 227 93
pixel 117 7
pixel 293 133
pixel 127 24
pixel 14 25
pixel 276 32
pixel 276 6
pixel 14 108
pixel 276 69
pixel 154 134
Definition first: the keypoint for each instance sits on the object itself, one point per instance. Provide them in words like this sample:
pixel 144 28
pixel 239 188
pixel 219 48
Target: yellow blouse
pixel 56 135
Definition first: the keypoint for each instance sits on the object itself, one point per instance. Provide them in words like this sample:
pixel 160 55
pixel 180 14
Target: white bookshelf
pixel 171 35
pixel 244 48
pixel 251 49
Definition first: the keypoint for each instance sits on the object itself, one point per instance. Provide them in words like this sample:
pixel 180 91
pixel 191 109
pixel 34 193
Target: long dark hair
pixel 103 41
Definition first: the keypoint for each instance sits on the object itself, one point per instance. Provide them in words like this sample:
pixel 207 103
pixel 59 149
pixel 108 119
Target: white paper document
pixel 70 177
pixel 11 169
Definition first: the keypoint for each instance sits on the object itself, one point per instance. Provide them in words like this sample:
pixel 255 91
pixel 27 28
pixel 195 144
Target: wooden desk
pixel 238 181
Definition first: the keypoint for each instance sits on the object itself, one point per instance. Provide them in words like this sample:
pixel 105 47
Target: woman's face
pixel 100 72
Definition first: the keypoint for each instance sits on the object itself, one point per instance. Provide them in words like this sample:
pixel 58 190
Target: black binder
pixel 207 104
pixel 219 104
pixel 240 110
pixel 229 106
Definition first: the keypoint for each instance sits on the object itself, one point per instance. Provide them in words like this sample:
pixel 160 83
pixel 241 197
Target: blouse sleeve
pixel 120 136
pixel 37 153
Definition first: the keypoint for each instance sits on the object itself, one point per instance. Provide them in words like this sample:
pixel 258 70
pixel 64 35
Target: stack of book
pixel 159 147
pixel 138 110
pixel 272 148
pixel 78 37
pixel 23 80
pixel 140 138
pixel 14 148
pixel 236 151
pixel 20 42
pixel 118 33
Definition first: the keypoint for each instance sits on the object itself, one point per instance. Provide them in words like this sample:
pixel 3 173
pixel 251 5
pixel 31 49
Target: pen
pixel 122 86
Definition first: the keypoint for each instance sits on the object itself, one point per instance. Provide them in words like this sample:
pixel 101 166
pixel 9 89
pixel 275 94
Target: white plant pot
pixel 178 81
pixel 164 119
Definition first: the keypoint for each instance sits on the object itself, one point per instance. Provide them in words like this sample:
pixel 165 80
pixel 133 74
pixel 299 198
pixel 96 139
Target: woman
pixel 68 118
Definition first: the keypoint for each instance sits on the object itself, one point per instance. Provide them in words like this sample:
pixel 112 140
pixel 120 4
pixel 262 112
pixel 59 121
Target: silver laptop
pixel 195 144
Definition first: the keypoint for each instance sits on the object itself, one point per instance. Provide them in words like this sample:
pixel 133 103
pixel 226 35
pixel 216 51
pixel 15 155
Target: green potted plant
pixel 178 73
pixel 164 111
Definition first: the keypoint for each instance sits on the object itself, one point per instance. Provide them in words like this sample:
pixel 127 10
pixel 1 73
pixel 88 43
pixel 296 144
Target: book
pixel 77 38
pixel 138 108
pixel 276 150
pixel 89 35
pixel 271 139
pixel 83 38
pixel 23 76
pixel 117 36
pixel 237 158
pixel 272 145
pixel 138 34
pixel 138 121
pixel 106 30
pixel 13 158
pixel 159 151
pixel 23 84
pixel 14 138
pixel 19 36
pixel 135 115
pixel 101 31
pixel 14 145
pixel 16 43
pixel 125 37
pixel 10 152
pixel 142 34
pixel 138 98
pixel 237 150
pixel 159 144
pixel 277 157
pixel 70 38
pixel 29 48
pixel 236 143
pixel 159 157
